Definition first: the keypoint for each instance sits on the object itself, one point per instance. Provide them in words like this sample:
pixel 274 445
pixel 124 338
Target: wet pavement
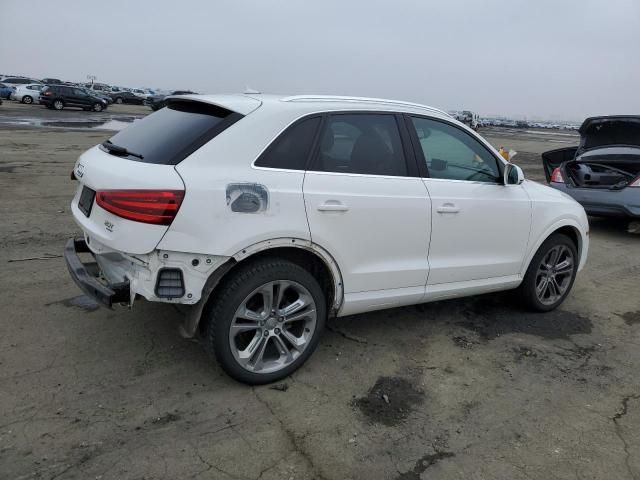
pixel 114 118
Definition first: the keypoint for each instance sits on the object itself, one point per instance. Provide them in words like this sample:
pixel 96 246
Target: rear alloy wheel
pixel 551 273
pixel 58 104
pixel 265 321
pixel 97 107
pixel 27 99
pixel 119 101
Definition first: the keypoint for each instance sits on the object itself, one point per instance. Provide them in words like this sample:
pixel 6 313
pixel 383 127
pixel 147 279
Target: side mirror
pixel 513 174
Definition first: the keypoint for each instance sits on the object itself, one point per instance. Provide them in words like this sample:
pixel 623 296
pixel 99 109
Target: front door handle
pixel 332 206
pixel 448 208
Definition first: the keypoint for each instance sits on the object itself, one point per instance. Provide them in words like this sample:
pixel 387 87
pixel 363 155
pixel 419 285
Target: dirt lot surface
pixel 463 389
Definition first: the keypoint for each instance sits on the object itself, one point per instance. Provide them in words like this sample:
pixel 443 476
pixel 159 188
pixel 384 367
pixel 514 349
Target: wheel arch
pixel 304 253
pixel 567 227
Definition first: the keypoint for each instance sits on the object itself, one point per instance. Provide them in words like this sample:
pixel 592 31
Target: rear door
pixel 553 158
pixel 366 205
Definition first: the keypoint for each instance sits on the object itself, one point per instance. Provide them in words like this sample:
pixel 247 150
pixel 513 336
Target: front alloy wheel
pixel 551 274
pixel 58 104
pixel 555 274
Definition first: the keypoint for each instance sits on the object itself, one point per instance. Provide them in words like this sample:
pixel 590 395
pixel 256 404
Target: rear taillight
pixel 556 176
pixel 148 206
pixel 635 183
pixel 46 94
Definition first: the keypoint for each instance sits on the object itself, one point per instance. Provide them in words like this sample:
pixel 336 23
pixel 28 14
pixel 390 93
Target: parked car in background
pixel 51 81
pixel 97 93
pixel 603 171
pixel 469 118
pixel 27 93
pixel 140 93
pixel 6 90
pixel 127 97
pixel 158 101
pixel 61 96
pixel 18 80
pixel 268 214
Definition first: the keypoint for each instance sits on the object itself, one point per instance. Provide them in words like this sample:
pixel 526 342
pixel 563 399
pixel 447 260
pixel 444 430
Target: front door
pixel 480 227
pixel 368 207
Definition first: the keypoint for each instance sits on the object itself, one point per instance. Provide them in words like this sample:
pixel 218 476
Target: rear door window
pixel 291 149
pixel 361 143
pixel 171 134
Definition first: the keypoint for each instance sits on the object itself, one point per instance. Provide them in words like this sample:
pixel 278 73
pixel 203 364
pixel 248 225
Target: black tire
pixel 219 314
pixel 527 289
pixel 97 107
pixel 58 104
pixel 154 108
pixel 119 101
pixel 27 99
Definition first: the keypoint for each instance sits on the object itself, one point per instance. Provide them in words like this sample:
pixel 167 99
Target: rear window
pixel 171 134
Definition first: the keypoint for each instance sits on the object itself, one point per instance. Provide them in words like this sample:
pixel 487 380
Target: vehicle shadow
pixel 616 227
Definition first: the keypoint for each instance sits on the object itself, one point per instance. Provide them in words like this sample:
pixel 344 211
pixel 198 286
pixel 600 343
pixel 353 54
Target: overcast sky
pixel 562 59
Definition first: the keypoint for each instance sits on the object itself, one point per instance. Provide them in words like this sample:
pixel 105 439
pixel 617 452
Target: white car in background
pixel 267 214
pixel 140 93
pixel 28 93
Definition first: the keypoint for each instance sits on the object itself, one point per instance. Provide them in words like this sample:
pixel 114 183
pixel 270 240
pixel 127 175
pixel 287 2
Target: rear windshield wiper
pixel 118 150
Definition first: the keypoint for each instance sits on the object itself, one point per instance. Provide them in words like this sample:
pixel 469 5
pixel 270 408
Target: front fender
pixel 581 234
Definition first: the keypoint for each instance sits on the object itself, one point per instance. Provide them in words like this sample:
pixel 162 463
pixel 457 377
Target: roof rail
pixel 337 98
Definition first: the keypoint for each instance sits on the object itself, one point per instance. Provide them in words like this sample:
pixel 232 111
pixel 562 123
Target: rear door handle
pixel 332 206
pixel 448 208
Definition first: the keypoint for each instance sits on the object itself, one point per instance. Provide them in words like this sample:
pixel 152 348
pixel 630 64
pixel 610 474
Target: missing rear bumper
pixel 85 275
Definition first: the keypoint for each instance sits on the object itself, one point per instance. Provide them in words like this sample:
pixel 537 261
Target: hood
pixel 597 132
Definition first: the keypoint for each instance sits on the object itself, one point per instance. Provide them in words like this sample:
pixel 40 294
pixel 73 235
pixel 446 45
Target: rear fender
pixel 189 327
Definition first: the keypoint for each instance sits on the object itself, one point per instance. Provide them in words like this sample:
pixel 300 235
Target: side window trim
pixel 407 149
pixel 420 155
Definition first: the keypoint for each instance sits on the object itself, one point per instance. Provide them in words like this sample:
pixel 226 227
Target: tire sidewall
pixel 27 99
pixel 528 286
pixel 97 107
pixel 221 310
pixel 61 104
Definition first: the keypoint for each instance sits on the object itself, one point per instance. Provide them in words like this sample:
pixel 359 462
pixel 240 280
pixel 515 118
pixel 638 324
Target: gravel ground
pixel 472 388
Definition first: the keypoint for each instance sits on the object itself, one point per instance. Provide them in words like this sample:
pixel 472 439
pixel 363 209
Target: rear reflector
pixel 148 206
pixel 170 283
pixel 556 176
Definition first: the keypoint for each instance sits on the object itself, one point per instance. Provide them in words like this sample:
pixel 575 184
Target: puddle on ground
pixel 389 401
pixel 112 124
pixel 82 301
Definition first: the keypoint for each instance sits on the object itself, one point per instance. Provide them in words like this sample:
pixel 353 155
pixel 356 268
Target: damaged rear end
pixel 128 196
pixel 603 172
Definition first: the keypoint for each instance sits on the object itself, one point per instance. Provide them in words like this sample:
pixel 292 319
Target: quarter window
pixel 452 154
pixel 361 143
pixel 291 149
